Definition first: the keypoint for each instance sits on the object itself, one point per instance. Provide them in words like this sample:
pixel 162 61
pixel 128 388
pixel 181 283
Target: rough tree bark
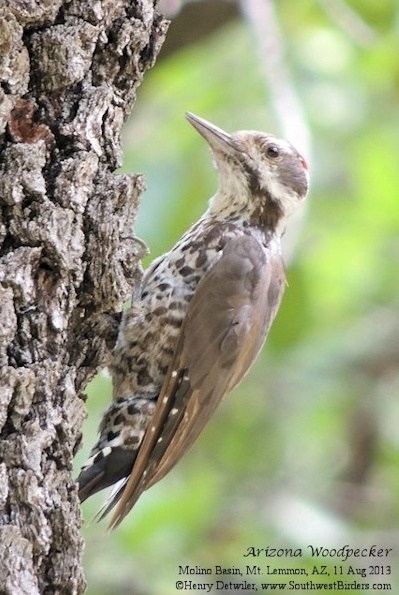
pixel 69 71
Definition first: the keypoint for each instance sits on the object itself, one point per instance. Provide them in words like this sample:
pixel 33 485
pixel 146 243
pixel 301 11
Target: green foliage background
pixel 306 451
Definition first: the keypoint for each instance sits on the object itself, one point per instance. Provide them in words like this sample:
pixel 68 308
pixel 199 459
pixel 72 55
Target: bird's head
pixel 261 176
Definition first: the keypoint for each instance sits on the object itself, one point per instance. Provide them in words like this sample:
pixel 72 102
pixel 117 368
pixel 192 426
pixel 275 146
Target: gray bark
pixel 69 71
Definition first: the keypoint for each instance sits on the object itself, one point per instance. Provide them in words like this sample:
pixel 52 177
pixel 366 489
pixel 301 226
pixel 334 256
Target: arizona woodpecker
pixel 204 312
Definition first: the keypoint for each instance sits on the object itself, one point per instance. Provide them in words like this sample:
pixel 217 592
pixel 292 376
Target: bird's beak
pixel 218 139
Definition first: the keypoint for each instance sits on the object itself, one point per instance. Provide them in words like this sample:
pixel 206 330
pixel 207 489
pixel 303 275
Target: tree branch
pixel 69 73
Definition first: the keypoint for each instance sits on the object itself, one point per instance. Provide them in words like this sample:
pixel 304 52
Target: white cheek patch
pixel 288 199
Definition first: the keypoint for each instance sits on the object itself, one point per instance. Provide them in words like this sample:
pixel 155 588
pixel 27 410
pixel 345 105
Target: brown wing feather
pixel 226 323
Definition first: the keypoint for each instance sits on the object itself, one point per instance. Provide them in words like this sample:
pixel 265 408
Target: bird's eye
pixel 273 151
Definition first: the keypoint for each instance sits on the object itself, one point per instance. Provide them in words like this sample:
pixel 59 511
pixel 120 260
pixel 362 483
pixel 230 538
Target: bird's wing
pixel 226 323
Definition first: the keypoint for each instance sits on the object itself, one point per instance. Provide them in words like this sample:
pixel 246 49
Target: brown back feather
pixel 226 324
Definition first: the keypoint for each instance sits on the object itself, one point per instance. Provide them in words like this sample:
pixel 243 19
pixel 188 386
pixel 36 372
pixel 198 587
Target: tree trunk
pixel 69 71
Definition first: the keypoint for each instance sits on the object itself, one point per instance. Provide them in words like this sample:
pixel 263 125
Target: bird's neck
pixel 228 204
pixel 248 211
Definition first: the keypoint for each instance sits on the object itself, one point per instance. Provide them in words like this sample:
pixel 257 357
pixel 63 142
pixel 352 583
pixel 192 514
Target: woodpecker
pixel 199 319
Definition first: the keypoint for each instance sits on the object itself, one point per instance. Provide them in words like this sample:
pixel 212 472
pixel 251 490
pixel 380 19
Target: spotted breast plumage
pixel 200 319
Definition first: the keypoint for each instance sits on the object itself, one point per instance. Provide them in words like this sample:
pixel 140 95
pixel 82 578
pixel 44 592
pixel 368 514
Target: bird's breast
pixel 150 329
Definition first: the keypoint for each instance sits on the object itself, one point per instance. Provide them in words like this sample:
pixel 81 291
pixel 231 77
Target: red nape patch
pixel 304 163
